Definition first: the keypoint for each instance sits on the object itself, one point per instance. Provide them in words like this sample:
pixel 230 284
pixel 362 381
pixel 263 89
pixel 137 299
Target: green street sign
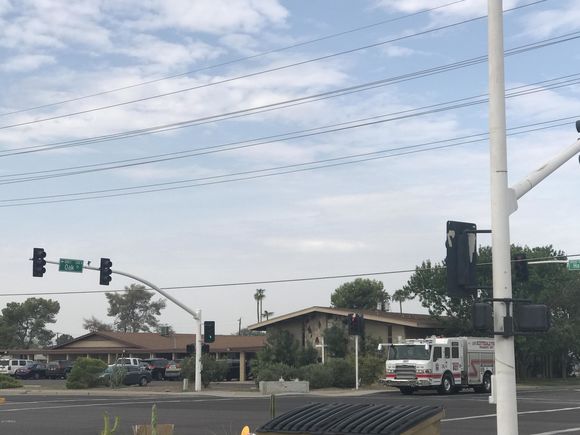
pixel 573 264
pixel 68 265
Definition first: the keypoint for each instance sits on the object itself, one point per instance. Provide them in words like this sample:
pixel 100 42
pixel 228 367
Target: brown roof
pixel 413 320
pixel 153 342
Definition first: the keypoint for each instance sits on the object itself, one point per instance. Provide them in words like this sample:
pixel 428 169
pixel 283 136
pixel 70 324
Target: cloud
pixel 398 51
pixel 553 21
pixel 314 245
pixel 462 10
pixel 26 63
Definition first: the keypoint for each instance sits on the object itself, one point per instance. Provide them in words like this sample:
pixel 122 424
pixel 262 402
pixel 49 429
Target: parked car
pixel 133 376
pixel 233 372
pixel 156 366
pixel 34 371
pixel 59 369
pixel 9 366
pixel 173 370
pixel 128 362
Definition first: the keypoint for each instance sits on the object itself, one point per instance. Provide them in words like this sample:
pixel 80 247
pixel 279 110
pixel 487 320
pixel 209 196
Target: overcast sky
pixel 238 211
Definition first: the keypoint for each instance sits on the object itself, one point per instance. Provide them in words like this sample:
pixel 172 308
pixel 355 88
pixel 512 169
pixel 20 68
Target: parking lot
pixel 542 411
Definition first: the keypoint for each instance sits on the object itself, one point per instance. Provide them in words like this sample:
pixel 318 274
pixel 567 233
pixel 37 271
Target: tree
pixel 63 338
pixel 362 293
pixel 550 283
pixel 93 325
pixel 133 310
pixel 281 347
pixel 336 341
pixel 23 325
pixel 259 296
pixel 267 314
pixel 399 296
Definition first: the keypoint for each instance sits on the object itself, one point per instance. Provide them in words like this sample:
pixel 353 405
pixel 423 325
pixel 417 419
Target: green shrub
pixel 343 373
pixel 117 375
pixel 370 368
pixel 188 368
pixel 9 382
pixel 85 373
pixel 317 375
pixel 273 371
pixel 213 370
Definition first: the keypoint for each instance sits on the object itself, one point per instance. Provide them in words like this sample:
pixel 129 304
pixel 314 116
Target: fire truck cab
pixel 447 364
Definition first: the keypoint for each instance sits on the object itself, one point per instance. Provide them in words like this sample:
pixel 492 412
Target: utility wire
pixel 286 103
pixel 260 172
pixel 275 281
pixel 241 59
pixel 566 80
pixel 257 73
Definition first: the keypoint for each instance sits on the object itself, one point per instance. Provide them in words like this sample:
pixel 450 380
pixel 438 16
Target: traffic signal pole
pixel 196 315
pixel 505 379
pixel 503 204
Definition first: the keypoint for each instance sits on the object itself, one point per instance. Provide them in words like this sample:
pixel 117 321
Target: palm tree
pixel 259 296
pixel 399 297
pixel 267 314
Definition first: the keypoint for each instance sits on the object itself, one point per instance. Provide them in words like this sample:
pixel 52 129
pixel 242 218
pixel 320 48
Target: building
pixel 308 325
pixel 109 345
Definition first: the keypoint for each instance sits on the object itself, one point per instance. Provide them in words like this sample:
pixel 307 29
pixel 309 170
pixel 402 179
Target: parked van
pixel 9 366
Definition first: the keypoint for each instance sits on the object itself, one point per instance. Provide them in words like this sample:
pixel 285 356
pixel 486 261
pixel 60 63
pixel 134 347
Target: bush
pixel 370 369
pixel 9 382
pixel 317 375
pixel 343 373
pixel 85 373
pixel 264 371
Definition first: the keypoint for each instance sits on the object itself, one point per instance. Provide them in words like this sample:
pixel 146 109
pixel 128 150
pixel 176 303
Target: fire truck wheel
pixel 406 390
pixel 446 385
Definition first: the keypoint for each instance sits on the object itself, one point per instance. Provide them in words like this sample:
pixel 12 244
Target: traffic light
pixel 521 267
pixel 204 348
pixel 209 331
pixel 355 324
pixel 105 271
pixel 532 318
pixel 190 349
pixel 38 262
pixel 461 259
pixel 482 316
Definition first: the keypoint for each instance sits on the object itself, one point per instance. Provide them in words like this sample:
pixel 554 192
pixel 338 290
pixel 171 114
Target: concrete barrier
pixel 276 387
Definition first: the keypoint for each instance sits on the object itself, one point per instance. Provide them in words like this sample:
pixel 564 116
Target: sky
pixel 199 144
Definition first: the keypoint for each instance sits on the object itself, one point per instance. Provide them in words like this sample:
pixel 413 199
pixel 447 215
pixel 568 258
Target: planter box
pixel 277 387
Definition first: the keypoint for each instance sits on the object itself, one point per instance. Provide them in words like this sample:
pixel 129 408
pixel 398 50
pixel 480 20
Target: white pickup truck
pixel 128 362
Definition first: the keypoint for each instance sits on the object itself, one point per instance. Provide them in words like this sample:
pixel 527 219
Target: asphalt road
pixel 542 411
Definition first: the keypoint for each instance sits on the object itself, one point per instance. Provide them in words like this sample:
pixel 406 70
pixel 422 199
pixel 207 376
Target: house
pixel 109 345
pixel 308 325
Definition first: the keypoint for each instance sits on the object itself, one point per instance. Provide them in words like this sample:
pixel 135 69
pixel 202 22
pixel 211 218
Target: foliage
pixel 94 325
pixel 23 325
pixel 64 338
pixel 188 368
pixel 9 382
pixel 550 283
pixel 271 371
pixel 336 341
pixel 133 310
pixel 399 296
pixel 108 430
pixel 280 347
pixel 117 375
pixel 307 355
pixel 370 368
pixel 343 373
pixel 85 373
pixel 212 370
pixel 259 296
pixel 317 375
pixel 362 293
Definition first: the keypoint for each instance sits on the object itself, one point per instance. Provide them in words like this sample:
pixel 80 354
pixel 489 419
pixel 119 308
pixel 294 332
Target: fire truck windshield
pixel 409 351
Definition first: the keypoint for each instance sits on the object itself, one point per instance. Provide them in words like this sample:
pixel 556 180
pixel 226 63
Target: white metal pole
pixel 507 423
pixel 356 361
pixel 322 350
pixel 198 353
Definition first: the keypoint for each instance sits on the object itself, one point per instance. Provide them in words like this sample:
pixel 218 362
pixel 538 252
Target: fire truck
pixel 446 364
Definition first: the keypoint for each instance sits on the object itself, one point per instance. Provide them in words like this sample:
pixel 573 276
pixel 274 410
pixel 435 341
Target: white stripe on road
pixel 574 429
pixel 473 417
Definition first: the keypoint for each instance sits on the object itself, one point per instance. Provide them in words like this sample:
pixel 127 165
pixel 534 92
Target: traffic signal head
pixel 38 262
pixel 355 324
pixel 204 348
pixel 532 318
pixel 190 349
pixel 105 271
pixel 461 259
pixel 209 331
pixel 482 316
pixel 521 267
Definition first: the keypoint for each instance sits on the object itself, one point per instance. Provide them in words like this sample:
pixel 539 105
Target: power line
pixel 241 59
pixel 274 281
pixel 100 193
pixel 566 80
pixel 257 73
pixel 286 103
